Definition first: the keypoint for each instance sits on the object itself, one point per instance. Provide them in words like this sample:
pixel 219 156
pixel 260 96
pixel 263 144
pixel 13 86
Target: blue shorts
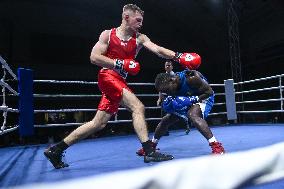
pixel 205 106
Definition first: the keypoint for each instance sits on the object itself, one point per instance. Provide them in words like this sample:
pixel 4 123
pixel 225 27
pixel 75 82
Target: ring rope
pixel 219 94
pixel 6 66
pixel 63 96
pixel 257 90
pixel 95 83
pixel 217 85
pixel 6 108
pixel 264 111
pixel 260 79
pixel 280 91
pixel 90 110
pixel 84 110
pixel 116 121
pixel 83 96
pixel 66 82
pixel 219 113
pixel 5 85
pixel 14 127
pixel 220 103
pixel 4 121
pixel 85 82
pixel 76 124
pixel 254 101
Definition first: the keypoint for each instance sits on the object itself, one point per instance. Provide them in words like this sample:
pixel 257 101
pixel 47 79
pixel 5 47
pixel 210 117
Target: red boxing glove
pixel 189 60
pixel 130 66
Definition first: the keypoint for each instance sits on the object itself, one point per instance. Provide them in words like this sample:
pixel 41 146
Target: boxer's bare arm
pixel 97 55
pixel 158 50
pixel 194 80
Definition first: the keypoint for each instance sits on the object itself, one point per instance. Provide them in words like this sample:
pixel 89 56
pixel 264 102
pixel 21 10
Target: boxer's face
pixel 135 21
pixel 172 86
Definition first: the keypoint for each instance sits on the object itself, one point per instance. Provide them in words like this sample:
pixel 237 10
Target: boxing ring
pixel 5 86
pixel 255 150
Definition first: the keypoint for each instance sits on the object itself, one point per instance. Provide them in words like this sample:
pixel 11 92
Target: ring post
pixel 230 100
pixel 26 109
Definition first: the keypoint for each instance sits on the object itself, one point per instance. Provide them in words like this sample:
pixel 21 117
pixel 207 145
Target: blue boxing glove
pixel 181 103
pixel 167 104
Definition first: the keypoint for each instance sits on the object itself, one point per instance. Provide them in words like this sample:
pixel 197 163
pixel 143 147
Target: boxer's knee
pixel 195 115
pixel 94 125
pixel 139 108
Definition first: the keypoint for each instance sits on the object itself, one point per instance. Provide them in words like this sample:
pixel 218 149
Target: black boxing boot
pixel 54 155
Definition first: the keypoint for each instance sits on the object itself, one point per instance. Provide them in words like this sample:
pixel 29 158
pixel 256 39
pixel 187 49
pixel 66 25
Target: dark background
pixel 55 37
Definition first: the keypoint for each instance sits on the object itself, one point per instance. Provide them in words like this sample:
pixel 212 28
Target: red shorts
pixel 110 84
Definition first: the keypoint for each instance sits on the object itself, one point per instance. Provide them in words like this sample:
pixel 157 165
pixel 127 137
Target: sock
pixel 155 140
pixel 157 136
pixel 147 147
pixel 62 146
pixel 213 139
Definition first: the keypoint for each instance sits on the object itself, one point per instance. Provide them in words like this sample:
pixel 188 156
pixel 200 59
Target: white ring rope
pixel 217 85
pixel 95 83
pixel 6 109
pixel 77 124
pixel 219 103
pixel 264 111
pixel 145 95
pixel 257 90
pixel 85 82
pixel 83 110
pixel 66 82
pixel 65 110
pixel 6 66
pixel 4 128
pixel 280 91
pixel 260 79
pixel 4 84
pixel 63 96
pixel 83 96
pixel 254 101
pixel 93 110
pixel 120 121
pixel 3 131
pixel 219 94
pixel 219 113
pixel 279 87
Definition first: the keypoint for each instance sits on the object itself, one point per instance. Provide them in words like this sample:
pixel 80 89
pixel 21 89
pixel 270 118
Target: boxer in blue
pixel 191 97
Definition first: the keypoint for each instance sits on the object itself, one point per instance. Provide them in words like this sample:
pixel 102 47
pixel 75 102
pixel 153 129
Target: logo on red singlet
pixel 123 43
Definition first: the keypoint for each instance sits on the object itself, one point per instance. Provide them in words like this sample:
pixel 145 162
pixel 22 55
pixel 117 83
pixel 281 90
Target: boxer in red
pixel 115 52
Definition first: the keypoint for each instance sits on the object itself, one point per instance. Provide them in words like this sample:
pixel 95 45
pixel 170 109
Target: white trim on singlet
pixel 120 38
pixel 109 38
pixel 108 45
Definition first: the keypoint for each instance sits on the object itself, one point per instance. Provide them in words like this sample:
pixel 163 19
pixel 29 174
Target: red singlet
pixel 111 82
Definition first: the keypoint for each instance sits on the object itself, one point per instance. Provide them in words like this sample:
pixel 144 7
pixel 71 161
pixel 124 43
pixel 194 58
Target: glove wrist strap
pixel 177 56
pixel 118 64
